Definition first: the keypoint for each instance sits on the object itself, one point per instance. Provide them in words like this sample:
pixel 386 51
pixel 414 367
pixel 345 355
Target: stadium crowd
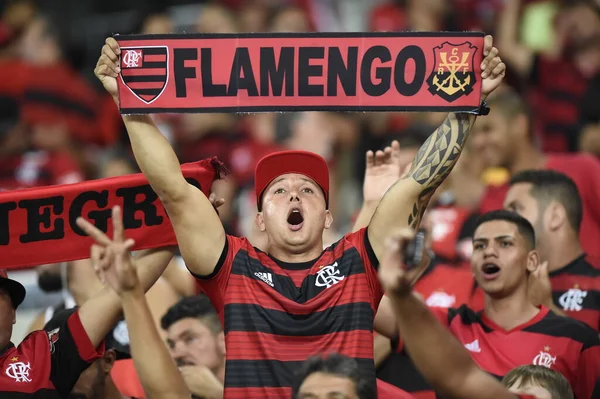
pixel 322 298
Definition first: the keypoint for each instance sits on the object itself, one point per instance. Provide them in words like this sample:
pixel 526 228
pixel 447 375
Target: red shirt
pixel 47 364
pixel 584 169
pixel 388 391
pixel 276 314
pixel 561 343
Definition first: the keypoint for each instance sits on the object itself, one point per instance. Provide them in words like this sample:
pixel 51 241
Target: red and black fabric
pixel 576 290
pixel 584 169
pixel 558 90
pixel 452 233
pixel 56 94
pixel 277 314
pixel 47 364
pixel 560 343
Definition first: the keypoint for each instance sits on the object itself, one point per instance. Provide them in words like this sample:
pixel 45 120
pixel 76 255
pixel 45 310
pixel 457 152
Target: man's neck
pixel 287 256
pixel 527 157
pixel 561 250
pixel 510 312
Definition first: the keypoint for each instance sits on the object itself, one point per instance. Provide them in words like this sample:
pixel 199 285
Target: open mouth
pixel 295 219
pixel 490 270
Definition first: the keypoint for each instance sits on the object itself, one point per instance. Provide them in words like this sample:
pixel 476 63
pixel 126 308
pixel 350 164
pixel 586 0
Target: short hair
pixel 525 228
pixel 553 381
pixel 550 185
pixel 339 366
pixel 195 307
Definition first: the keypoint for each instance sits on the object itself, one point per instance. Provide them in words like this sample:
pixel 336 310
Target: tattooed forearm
pixel 436 158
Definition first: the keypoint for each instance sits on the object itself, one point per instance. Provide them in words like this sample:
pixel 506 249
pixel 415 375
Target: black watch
pixel 483 108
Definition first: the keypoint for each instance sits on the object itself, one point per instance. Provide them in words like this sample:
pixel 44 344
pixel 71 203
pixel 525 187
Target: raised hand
pixel 394 277
pixel 202 382
pixel 382 171
pixel 492 67
pixel 108 68
pixel 111 258
pixel 539 287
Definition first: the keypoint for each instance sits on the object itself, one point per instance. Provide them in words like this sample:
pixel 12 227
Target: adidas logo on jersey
pixel 473 346
pixel 266 277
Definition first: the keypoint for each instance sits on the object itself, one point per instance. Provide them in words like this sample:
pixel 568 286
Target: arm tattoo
pixel 436 158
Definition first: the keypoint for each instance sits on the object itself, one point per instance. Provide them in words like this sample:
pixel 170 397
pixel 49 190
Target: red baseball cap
pixel 280 163
pixel 15 290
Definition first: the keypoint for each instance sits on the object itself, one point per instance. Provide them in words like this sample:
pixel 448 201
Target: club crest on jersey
pixel 453 74
pixel 19 371
pixel 572 300
pixel 145 71
pixel 328 276
pixel 544 358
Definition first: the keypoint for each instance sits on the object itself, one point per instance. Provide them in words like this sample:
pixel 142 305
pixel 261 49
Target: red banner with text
pixel 37 225
pixel 407 71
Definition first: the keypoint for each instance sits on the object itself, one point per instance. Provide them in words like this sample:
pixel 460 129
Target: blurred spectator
pixel 504 139
pixel 20 167
pixel 59 104
pixel 414 15
pixel 290 19
pixel 159 23
pixel 253 16
pixel 215 18
pixel 557 76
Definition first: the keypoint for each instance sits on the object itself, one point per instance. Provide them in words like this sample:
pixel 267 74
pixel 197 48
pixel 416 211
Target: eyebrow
pixel 502 237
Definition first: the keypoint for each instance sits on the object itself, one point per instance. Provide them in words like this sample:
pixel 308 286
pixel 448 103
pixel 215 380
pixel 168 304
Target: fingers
pixel 490 62
pixel 117 219
pixel 129 244
pixel 379 157
pixel 488 43
pixel 370 159
pixel 499 70
pixel 93 231
pixel 113 45
pixel 219 202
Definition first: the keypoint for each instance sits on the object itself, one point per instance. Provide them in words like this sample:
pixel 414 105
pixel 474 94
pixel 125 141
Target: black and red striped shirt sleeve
pixel 587 384
pixel 71 353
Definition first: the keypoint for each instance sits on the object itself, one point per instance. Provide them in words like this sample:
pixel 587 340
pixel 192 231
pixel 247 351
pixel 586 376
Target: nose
pixel 294 197
pixel 490 250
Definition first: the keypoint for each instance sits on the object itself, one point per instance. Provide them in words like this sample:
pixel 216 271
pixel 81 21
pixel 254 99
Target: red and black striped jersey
pixel 276 315
pixel 560 343
pixel 47 364
pixel 576 290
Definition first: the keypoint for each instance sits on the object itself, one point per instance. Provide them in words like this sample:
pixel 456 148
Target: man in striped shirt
pixel 281 306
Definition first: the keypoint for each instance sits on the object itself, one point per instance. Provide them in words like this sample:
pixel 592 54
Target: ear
pixel 221 343
pixel 533 261
pixel 260 222
pixel 14 316
pixel 328 219
pixel 556 216
pixel 108 360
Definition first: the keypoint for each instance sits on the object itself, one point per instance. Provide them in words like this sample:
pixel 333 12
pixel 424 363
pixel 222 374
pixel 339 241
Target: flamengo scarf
pixel 37 225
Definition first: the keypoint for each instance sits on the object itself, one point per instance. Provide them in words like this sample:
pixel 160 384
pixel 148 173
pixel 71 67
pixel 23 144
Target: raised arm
pixel 405 202
pixel 101 312
pixel 199 231
pixel 440 358
pixel 155 367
